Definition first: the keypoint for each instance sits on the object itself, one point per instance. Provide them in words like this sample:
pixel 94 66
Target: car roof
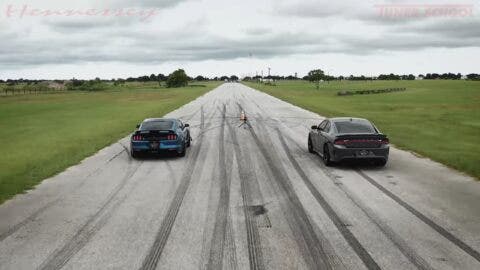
pixel 159 119
pixel 344 119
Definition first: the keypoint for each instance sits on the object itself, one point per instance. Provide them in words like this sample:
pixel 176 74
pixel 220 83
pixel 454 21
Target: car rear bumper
pixel 342 153
pixel 146 146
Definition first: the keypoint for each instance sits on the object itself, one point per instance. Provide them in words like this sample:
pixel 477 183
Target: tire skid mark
pixel 125 148
pixel 209 129
pixel 42 209
pixel 209 220
pixel 307 240
pixel 439 229
pixel 202 118
pixel 396 239
pixel 231 249
pixel 231 255
pixel 230 243
pixel 170 169
pixel 219 238
pixel 339 224
pixel 151 260
pixel 404 248
pixel 253 238
pixel 62 255
pixel 188 117
pixel 27 220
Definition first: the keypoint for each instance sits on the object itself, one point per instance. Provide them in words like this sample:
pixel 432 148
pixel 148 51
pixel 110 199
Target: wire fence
pixel 28 90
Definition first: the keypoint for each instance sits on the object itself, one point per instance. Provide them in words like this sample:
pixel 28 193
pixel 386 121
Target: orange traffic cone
pixel 243 117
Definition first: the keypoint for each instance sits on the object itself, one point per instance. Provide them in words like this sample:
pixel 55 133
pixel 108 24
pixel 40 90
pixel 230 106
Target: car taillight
pixel 171 137
pixel 385 141
pixel 137 137
pixel 340 142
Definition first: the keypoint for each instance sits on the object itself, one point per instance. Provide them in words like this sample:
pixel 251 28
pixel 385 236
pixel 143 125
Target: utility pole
pixel 269 72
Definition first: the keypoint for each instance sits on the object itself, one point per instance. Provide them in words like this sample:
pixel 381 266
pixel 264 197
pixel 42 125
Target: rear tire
pixel 134 154
pixel 310 145
pixel 326 156
pixel 184 151
pixel 189 139
pixel 381 163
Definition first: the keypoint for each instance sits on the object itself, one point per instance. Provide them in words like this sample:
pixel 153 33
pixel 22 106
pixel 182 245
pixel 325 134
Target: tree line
pixel 428 76
pixel 163 78
pixel 319 75
pixel 179 78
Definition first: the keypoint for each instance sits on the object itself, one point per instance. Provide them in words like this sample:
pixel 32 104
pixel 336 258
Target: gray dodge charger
pixel 338 139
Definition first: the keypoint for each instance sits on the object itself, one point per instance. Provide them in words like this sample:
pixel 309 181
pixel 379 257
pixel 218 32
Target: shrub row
pixel 26 89
pixel 367 92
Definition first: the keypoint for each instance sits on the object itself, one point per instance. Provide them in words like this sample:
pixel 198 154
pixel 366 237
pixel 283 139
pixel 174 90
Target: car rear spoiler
pixel 145 132
pixel 378 136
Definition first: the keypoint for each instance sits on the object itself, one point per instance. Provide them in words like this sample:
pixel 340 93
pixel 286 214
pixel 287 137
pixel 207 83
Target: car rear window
pixel 157 125
pixel 354 127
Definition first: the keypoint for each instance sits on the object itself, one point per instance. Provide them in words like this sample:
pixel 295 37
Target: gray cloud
pixel 386 12
pixel 147 3
pixel 310 9
pixel 322 9
pixel 258 31
pixel 462 29
pixel 78 25
pixel 191 38
pixel 135 47
pixel 404 42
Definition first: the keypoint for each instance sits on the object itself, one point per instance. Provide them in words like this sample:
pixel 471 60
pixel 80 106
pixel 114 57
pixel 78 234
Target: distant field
pixel 45 133
pixel 438 119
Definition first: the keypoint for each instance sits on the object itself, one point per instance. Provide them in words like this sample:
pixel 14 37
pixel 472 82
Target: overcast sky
pixel 121 38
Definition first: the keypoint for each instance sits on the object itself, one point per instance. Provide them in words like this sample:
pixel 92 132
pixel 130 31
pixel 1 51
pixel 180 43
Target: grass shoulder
pixel 439 119
pixel 47 133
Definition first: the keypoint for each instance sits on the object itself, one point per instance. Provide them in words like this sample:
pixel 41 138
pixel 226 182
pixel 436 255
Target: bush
pixel 95 85
pixel 9 88
pixel 367 92
pixel 177 79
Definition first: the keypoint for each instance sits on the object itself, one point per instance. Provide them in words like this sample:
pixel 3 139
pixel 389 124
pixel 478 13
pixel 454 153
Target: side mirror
pixel 186 125
pixel 138 125
pixel 314 127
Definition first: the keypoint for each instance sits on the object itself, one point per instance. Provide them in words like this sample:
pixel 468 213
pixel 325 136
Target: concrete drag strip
pixel 244 197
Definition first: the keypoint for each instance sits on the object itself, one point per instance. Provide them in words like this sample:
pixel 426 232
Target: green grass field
pixel 438 119
pixel 43 134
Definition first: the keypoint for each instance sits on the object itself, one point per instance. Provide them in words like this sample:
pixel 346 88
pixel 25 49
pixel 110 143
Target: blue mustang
pixel 154 135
